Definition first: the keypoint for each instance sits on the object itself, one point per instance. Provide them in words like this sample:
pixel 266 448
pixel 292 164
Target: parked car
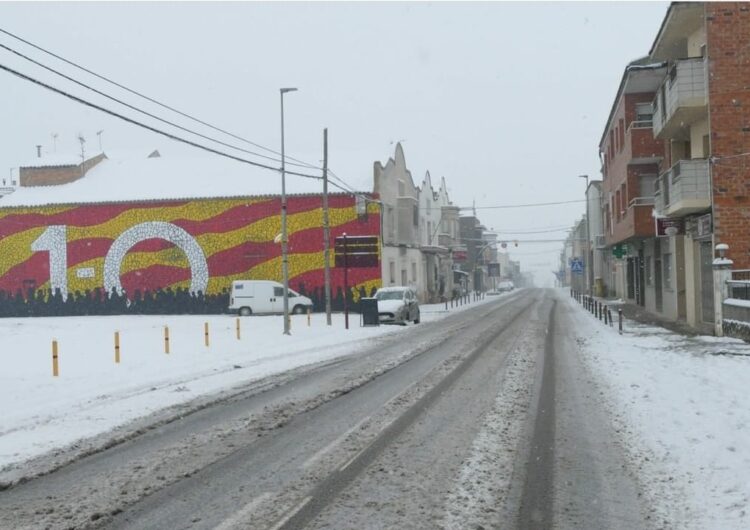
pixel 397 305
pixel 505 286
pixel 264 297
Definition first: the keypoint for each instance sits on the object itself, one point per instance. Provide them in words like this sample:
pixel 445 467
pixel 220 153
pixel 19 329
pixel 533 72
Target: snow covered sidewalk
pixel 680 404
pixel 93 395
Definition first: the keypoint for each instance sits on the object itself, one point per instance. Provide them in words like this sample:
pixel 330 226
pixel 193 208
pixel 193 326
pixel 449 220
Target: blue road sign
pixel 576 266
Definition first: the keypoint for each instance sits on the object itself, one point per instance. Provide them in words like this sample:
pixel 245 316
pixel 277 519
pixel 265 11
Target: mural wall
pixel 171 256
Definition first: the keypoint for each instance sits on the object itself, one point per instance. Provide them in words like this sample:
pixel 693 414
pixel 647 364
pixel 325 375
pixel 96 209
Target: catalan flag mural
pixel 111 258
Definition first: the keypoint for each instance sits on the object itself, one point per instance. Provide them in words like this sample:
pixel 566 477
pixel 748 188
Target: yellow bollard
pixel 205 333
pixel 238 329
pixel 309 310
pixel 55 367
pixel 117 347
pixel 166 339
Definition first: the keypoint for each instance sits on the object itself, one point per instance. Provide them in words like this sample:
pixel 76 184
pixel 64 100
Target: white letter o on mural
pixel 155 230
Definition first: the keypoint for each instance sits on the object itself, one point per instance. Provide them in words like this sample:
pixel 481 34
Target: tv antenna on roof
pixel 54 142
pixel 99 134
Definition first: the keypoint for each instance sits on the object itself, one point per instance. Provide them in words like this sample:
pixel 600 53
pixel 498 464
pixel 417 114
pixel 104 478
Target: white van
pixel 264 297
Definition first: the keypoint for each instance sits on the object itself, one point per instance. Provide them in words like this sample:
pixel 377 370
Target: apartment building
pixel 674 153
pixel 631 158
pixel 702 190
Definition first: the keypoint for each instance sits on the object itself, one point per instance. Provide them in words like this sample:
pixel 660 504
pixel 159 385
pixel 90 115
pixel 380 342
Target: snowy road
pixel 483 419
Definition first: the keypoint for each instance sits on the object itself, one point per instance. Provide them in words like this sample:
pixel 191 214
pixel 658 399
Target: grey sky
pixel 507 101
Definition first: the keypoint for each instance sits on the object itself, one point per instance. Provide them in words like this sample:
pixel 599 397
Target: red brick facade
pixel 623 145
pixel 728 39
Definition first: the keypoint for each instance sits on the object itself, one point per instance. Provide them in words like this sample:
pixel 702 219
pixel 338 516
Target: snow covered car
pixel 397 305
pixel 505 286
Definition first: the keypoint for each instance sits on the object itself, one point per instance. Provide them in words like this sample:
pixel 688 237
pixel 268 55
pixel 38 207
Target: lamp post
pixel 586 261
pixel 284 257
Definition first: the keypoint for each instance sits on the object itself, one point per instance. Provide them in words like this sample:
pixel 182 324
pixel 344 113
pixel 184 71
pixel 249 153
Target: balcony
pixel 682 99
pixel 635 222
pixel 684 189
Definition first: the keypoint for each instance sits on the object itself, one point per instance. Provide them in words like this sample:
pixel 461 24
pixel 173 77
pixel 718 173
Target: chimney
pixel 39 151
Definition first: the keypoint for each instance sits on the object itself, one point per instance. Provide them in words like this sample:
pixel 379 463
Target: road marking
pixel 291 514
pixel 310 461
pixel 352 459
pixel 237 517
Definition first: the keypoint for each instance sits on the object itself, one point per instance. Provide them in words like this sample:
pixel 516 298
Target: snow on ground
pixel 681 405
pixel 93 395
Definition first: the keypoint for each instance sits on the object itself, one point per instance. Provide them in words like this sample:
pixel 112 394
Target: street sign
pixel 576 266
pixel 357 251
pixel 619 251
pixel 493 269
pixel 670 226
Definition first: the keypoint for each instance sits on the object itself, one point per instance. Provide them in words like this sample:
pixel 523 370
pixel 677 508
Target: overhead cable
pixel 152 100
pixel 84 85
pixel 145 126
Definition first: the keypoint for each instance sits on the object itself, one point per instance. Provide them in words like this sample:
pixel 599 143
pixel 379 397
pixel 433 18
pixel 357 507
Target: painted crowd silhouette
pixel 180 301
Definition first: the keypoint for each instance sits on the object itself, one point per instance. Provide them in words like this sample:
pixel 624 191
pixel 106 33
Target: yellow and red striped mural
pixel 195 245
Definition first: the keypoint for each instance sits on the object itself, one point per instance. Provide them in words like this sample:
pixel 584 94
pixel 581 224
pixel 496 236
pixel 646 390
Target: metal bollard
pixel 117 347
pixel 605 315
pixel 309 310
pixel 610 318
pixel 619 316
pixel 238 329
pixel 446 304
pixel 166 339
pixel 55 366
pixel 205 334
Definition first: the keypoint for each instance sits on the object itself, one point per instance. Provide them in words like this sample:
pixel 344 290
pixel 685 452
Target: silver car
pixel 397 305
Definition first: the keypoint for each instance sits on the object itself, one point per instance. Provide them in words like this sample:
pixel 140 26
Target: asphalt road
pixel 482 420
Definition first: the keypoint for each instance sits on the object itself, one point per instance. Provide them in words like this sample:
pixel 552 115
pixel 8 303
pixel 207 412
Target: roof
pixel 394 289
pixel 644 66
pixel 120 178
pixel 58 160
pixel 681 19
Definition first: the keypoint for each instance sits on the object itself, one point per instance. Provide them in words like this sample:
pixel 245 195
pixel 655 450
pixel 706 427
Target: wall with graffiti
pixel 170 256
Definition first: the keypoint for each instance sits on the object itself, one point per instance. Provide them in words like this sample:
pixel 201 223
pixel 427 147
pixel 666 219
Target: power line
pixel 519 205
pixel 152 100
pixel 504 232
pixel 133 107
pixel 145 126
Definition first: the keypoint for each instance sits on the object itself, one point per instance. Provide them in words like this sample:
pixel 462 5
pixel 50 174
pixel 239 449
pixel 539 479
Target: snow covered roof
pixel 120 178
pixel 58 160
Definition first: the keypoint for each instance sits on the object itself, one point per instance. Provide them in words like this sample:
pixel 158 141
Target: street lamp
pixel 284 258
pixel 586 264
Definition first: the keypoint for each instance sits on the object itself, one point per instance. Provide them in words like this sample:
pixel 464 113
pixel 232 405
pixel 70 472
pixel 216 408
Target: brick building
pixel 630 164
pixel 675 155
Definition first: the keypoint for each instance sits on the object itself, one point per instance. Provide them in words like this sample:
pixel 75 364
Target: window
pixel 415 213
pixel 404 279
pixel 649 280
pixel 413 271
pixel 278 291
pixel 401 188
pixel 644 114
pixel 667 271
pixel 392 271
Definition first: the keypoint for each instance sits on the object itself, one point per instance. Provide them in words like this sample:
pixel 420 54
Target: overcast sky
pixel 507 101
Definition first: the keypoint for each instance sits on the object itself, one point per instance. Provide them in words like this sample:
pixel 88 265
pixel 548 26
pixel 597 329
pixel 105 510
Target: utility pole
pixel 326 230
